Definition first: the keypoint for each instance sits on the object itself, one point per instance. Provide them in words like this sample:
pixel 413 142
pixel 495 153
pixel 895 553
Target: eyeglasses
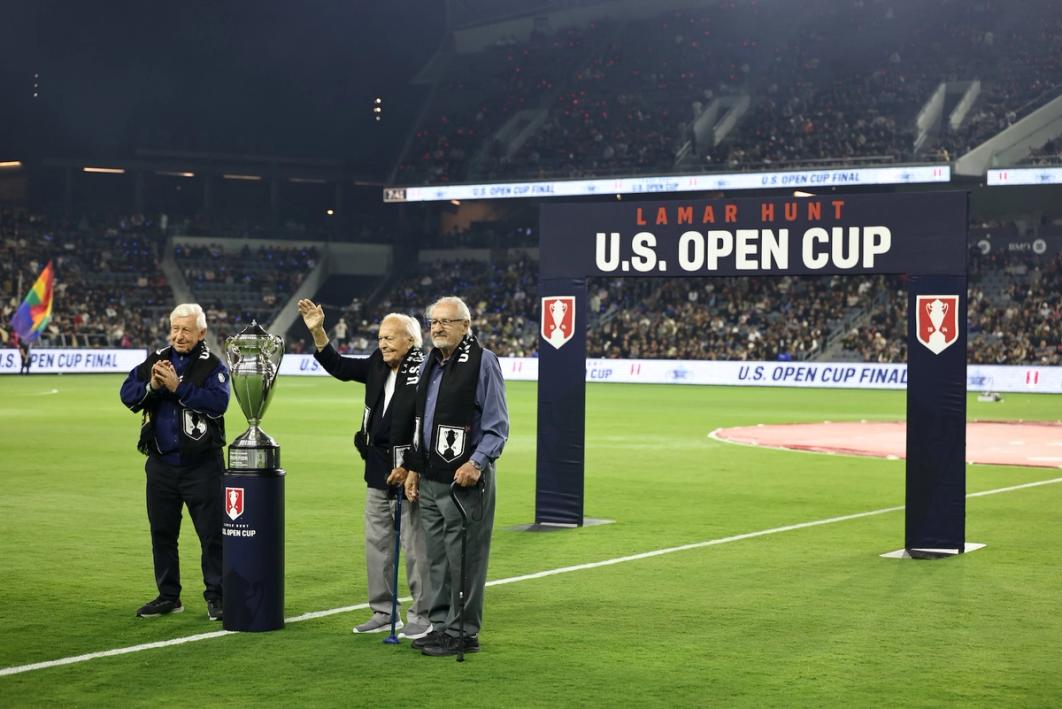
pixel 445 322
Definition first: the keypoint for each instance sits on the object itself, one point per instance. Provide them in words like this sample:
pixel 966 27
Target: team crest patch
pixel 194 424
pixel 233 502
pixel 558 319
pixel 450 442
pixel 399 456
pixel 937 321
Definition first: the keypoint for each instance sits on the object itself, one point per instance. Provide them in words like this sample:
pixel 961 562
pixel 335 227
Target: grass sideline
pixel 807 617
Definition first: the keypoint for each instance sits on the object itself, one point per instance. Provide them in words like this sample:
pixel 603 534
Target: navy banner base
pixel 253 548
pixel 561 405
pixel 936 413
pixel 548 527
pixel 932 553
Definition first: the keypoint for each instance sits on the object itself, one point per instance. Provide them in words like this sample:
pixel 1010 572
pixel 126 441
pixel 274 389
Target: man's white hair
pixel 453 300
pixel 411 326
pixel 185 309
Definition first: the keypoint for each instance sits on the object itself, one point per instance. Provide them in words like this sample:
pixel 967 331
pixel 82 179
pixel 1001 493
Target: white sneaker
pixel 415 631
pixel 377 624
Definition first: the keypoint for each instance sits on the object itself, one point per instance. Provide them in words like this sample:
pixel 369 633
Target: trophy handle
pixel 273 349
pixel 232 354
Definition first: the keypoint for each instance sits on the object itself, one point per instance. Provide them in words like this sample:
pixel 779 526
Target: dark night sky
pixel 268 77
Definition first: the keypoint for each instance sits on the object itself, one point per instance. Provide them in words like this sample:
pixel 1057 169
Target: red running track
pixel 1037 444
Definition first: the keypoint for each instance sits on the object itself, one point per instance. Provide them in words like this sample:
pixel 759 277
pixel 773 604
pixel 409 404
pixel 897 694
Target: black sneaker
pixel 451 645
pixel 432 638
pixel 160 606
pixel 214 609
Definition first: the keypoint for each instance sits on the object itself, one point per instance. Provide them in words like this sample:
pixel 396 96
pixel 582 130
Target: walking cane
pixel 392 639
pixel 464 580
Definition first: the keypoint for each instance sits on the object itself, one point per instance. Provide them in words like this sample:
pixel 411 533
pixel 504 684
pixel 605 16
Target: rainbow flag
pixel 36 310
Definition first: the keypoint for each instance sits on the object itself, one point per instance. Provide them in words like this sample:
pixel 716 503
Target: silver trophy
pixel 254 361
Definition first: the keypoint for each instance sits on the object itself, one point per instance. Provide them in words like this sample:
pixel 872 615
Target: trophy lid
pixel 253 338
pixel 252 331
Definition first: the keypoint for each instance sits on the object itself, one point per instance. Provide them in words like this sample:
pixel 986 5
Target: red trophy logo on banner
pixel 938 321
pixel 233 502
pixel 558 319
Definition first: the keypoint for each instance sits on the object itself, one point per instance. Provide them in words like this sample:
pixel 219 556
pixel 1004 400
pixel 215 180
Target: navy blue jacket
pixel 183 426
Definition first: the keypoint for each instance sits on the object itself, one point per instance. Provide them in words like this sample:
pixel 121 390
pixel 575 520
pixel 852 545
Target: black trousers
pixel 169 488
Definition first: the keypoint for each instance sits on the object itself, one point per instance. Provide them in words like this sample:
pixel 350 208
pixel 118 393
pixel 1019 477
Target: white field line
pixel 18 669
pixel 48 392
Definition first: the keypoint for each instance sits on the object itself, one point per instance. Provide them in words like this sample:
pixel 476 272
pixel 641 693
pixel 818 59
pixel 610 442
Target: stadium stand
pixel 1015 314
pixel 844 86
pixel 236 287
pixel 1050 153
pixel 722 318
pixel 110 291
pixel 501 295
pixel 479 93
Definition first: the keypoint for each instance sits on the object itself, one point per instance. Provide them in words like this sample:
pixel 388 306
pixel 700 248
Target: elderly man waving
pixel 390 378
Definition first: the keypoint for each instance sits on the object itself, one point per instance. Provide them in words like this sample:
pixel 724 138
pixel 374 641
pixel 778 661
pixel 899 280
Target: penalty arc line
pixel 18 669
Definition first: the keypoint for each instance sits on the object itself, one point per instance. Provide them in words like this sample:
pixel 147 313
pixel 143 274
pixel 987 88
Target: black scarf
pixel 385 435
pixel 400 431
pixel 449 444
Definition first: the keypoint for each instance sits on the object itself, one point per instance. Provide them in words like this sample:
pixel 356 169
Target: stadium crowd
pixel 478 94
pixel 1050 153
pixel 724 318
pixel 1014 313
pixel 109 289
pixel 501 295
pixel 837 82
pixel 236 287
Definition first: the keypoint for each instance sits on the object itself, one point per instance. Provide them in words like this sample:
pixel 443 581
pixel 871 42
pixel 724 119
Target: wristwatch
pixel 476 465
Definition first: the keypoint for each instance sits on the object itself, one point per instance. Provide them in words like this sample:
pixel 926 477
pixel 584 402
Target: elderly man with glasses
pixel 390 377
pixel 462 423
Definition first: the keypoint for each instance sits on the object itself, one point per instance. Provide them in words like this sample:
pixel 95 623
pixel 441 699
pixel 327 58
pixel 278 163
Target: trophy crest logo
pixel 233 502
pixel 937 321
pixel 558 319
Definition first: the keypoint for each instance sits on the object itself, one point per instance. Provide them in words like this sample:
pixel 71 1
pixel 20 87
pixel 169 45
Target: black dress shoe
pixel 160 606
pixel 451 645
pixel 432 638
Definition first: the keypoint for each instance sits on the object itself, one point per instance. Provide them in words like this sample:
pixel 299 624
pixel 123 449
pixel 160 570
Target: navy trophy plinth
pixel 253 526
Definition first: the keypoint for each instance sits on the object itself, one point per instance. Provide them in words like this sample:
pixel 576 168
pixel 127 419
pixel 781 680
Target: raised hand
pixel 312 315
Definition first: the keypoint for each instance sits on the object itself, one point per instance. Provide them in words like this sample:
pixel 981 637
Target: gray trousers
pixel 380 555
pixel 442 531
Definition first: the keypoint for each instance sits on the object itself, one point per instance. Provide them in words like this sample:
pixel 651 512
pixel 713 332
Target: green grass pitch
pixel 808 617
